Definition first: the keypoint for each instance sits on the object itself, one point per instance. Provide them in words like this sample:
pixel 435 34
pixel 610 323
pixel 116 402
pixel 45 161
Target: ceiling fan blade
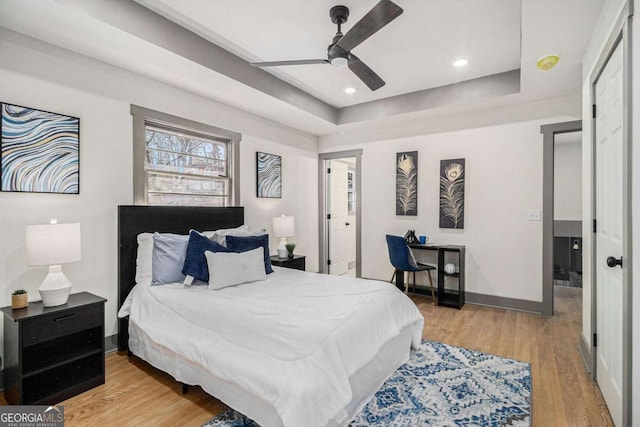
pixel 294 62
pixel 364 73
pixel 381 14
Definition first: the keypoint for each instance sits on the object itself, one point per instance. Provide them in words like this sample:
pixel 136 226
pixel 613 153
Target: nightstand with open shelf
pixel 53 353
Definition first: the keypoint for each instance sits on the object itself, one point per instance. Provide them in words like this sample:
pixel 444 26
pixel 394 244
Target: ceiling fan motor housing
pixel 339 14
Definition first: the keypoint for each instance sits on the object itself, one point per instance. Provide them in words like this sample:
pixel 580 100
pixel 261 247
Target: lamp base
pixel 55 288
pixel 283 253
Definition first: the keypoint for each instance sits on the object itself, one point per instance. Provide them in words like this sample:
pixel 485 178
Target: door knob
pixel 613 262
pixel 347 223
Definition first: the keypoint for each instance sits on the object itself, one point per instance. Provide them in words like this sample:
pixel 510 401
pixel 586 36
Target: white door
pixel 609 231
pixel 338 209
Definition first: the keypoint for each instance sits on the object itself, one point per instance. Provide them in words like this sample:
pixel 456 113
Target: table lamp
pixel 283 227
pixel 52 245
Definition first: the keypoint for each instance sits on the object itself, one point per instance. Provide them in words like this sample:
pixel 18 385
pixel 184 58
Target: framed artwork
pixel 452 177
pixel 269 175
pixel 407 183
pixel 39 151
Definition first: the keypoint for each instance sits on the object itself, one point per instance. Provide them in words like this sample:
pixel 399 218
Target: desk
pixel 446 296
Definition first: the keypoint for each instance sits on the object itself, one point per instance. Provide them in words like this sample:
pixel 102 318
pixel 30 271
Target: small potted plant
pixel 290 247
pixel 19 298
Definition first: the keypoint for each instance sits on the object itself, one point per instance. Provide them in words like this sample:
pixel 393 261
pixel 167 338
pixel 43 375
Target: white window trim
pixel 142 116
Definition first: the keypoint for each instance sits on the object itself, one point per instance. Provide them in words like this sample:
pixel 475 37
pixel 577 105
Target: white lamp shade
pixel 284 226
pixel 53 244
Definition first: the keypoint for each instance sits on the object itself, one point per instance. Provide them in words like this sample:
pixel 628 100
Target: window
pixel 180 162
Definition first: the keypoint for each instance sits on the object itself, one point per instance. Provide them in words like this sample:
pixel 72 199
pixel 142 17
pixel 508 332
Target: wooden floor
pixel 136 394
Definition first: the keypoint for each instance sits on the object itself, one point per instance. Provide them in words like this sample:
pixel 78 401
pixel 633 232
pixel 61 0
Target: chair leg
pixel 406 283
pixel 414 283
pixel 433 295
pixel 394 276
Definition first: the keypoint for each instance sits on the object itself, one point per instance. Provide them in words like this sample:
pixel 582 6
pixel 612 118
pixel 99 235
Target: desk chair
pixel 402 260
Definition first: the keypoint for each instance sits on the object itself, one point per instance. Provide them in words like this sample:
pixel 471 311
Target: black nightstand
pixel 53 353
pixel 297 262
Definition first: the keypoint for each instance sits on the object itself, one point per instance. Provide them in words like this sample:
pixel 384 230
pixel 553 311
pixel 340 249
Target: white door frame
pixel 322 204
pixel 621 34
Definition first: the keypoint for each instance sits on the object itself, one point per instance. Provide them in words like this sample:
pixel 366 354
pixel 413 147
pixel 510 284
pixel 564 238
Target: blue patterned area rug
pixel 441 385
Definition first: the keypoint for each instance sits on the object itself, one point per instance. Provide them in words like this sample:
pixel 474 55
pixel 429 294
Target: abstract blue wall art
pixel 269 173
pixel 39 151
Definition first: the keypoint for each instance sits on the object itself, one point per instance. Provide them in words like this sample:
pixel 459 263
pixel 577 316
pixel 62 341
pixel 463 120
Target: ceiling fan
pixel 339 51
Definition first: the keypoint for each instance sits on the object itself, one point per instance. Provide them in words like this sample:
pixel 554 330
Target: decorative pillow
pixel 219 236
pixel 169 251
pixel 246 243
pixel 230 269
pixel 144 272
pixel 195 263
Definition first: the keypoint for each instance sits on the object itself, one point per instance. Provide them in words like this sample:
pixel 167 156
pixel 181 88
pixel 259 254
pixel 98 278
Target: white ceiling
pixel 412 53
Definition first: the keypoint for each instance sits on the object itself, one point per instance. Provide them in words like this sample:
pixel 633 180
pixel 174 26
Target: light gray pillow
pixel 220 236
pixel 169 252
pixel 231 268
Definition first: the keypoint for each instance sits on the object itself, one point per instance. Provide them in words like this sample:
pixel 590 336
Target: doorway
pixel 341 212
pixel 567 132
pixel 567 228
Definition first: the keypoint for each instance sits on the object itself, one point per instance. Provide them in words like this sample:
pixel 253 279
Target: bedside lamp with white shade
pixel 283 227
pixel 52 245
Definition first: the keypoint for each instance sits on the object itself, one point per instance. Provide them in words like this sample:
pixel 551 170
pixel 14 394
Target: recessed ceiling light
pixel 461 62
pixel 547 62
pixel 350 90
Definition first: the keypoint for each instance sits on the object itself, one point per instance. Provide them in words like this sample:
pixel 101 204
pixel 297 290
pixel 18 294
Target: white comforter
pixel 293 339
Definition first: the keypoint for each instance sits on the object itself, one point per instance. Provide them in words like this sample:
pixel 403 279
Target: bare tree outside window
pixel 185 169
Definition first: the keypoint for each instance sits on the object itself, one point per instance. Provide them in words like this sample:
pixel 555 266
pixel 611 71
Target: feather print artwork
pixel 407 183
pixel 452 193
pixel 269 173
pixel 39 151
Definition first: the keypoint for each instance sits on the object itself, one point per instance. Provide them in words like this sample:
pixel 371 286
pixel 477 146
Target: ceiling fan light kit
pixel 339 51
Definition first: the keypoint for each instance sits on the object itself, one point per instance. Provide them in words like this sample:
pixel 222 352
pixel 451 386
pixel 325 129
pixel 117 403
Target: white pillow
pixel 144 258
pixel 230 268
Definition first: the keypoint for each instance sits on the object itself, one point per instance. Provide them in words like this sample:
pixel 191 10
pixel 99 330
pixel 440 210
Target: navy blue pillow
pixel 195 263
pixel 247 243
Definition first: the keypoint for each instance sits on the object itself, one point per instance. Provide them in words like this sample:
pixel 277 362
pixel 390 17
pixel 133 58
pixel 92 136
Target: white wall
pixel 44 77
pixel 567 171
pixel 503 181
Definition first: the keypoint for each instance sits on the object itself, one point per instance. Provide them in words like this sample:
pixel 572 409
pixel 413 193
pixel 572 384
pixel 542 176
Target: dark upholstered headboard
pixel 133 220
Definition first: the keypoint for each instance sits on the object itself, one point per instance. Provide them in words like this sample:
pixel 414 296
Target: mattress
pixel 296 349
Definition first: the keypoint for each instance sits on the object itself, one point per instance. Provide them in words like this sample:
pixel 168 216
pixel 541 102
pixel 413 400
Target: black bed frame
pixel 133 220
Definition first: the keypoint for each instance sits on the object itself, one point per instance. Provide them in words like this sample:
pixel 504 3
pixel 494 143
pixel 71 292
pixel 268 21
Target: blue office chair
pixel 402 260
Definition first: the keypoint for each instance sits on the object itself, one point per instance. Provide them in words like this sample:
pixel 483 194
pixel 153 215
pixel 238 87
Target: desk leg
pixel 400 280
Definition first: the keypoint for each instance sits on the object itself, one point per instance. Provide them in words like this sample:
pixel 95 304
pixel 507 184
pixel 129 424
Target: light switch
pixel 533 214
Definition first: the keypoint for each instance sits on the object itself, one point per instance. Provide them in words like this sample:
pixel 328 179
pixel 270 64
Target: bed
pixel 295 349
